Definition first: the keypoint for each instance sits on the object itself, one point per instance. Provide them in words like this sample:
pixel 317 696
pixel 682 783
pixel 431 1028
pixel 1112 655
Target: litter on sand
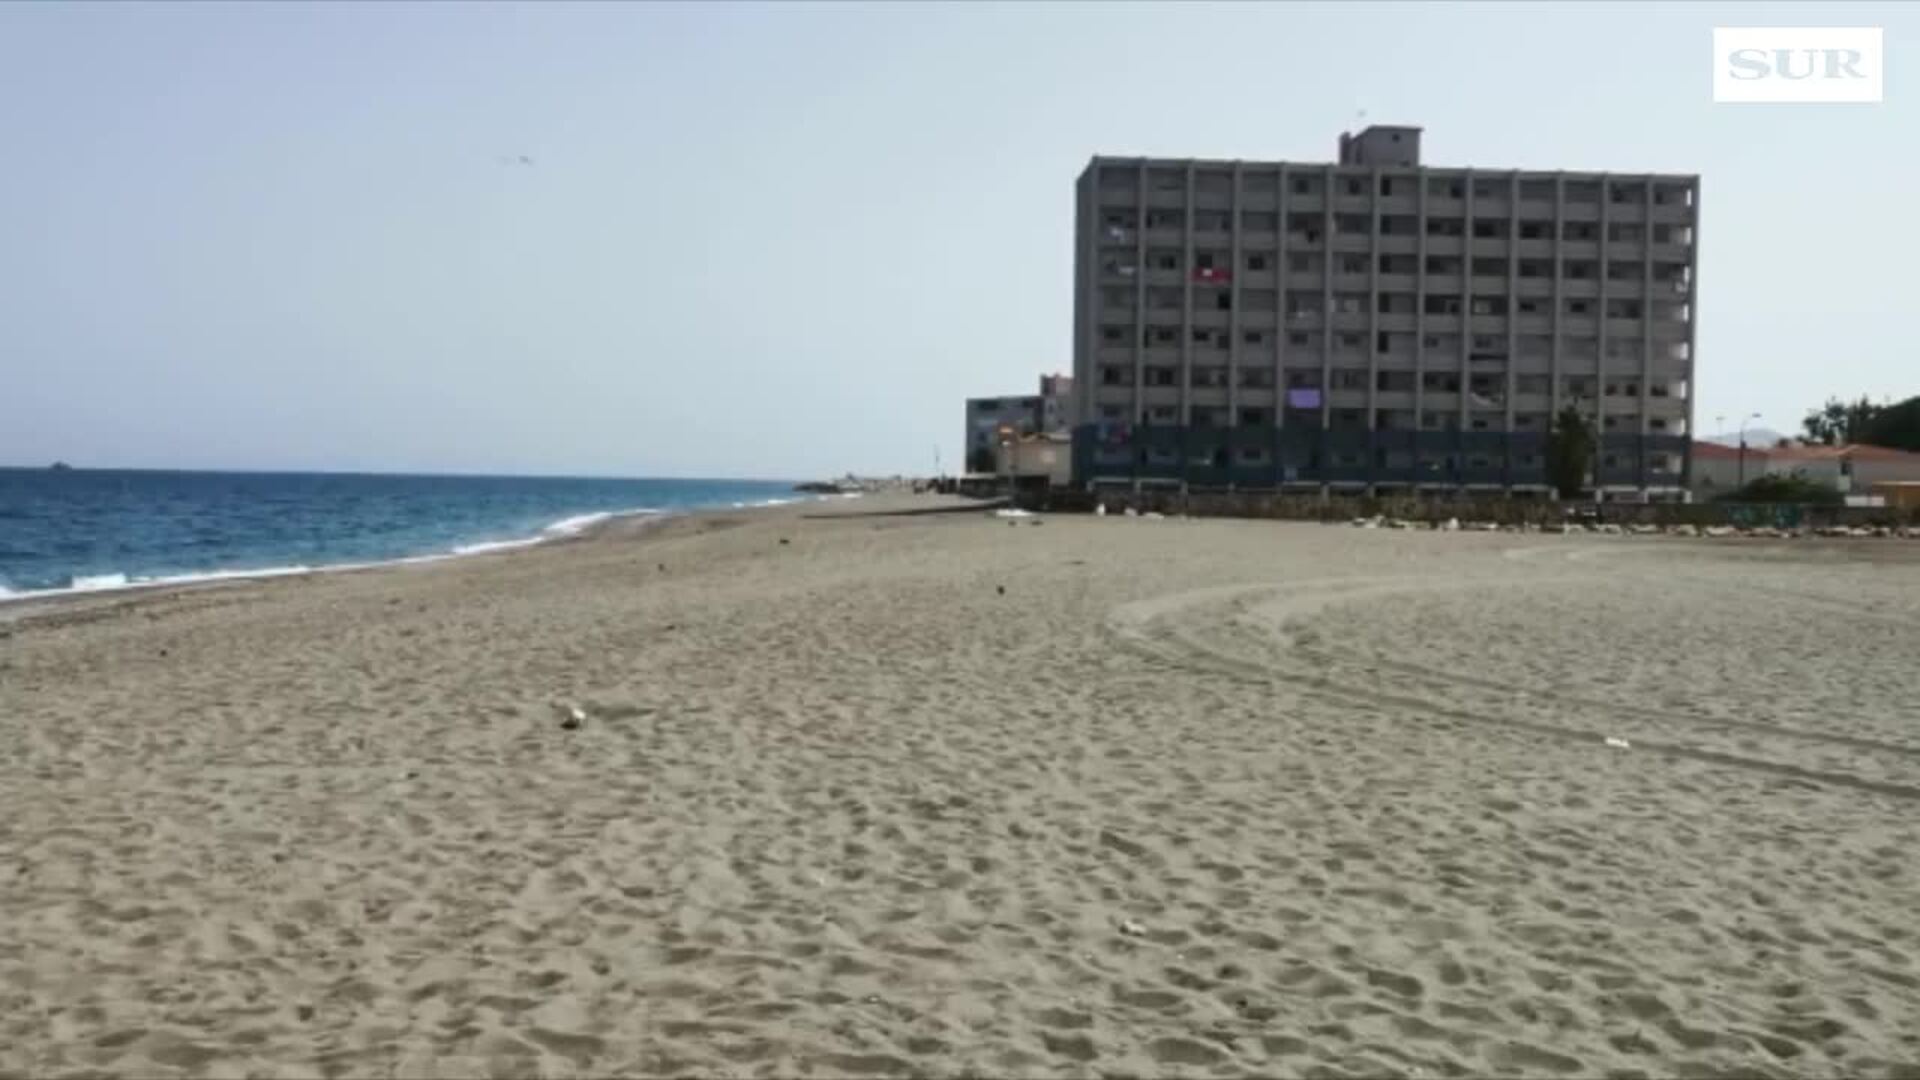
pixel 1013 512
pixel 1619 744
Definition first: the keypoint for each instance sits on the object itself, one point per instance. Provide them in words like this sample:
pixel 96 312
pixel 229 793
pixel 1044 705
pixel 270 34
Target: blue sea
pixel 92 529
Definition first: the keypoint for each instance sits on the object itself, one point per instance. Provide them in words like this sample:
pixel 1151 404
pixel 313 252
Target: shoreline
pixel 17 607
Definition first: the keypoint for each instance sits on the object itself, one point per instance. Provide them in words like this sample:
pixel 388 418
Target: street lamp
pixel 1743 447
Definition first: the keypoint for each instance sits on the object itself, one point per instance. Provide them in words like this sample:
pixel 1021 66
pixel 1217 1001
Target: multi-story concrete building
pixel 1375 323
pixel 1049 410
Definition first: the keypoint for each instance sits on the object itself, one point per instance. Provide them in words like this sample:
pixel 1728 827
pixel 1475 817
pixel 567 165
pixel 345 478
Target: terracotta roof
pixel 1854 451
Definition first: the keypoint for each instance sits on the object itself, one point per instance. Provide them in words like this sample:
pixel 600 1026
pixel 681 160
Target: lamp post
pixel 1743 447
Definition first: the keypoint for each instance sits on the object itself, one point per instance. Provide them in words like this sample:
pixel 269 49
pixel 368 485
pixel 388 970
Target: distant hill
pixel 1755 437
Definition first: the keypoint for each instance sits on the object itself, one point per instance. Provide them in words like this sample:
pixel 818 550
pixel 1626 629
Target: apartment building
pixel 1377 324
pixel 1030 414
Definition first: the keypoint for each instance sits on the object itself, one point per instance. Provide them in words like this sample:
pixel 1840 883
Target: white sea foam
pixel 571 526
pixel 485 546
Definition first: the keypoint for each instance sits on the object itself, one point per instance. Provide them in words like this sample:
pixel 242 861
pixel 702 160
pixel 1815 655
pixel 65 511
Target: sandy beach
pixel 859 794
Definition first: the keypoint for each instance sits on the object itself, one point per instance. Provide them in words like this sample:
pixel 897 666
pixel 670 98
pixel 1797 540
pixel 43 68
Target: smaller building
pixel 1044 460
pixel 1031 414
pixel 1854 468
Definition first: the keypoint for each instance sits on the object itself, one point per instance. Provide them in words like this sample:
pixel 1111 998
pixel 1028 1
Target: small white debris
pixel 1132 929
pixel 1013 512
pixel 1619 744
pixel 1100 510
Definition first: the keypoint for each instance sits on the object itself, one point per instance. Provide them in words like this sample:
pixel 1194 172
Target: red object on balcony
pixel 1217 275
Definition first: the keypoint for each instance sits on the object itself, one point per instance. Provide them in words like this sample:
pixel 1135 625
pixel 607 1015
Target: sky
pixel 789 240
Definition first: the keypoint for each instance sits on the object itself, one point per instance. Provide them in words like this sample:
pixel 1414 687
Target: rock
pixel 1100 510
pixel 571 716
pixel 1002 589
pixel 1452 524
pixel 1154 515
pixel 1132 929
pixel 1643 530
pixel 784 541
pixel 1484 526
pixel 1684 530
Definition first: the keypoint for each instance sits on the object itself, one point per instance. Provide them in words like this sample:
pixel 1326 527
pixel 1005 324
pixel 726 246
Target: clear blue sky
pixel 788 240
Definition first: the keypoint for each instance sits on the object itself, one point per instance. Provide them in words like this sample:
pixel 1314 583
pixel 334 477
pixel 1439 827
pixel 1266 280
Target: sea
pixel 82 530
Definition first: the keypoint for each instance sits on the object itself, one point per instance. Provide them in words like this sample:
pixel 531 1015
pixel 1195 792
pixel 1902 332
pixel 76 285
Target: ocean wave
pixel 484 546
pixel 97 583
pixel 569 526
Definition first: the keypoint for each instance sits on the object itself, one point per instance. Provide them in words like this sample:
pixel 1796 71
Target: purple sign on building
pixel 1303 399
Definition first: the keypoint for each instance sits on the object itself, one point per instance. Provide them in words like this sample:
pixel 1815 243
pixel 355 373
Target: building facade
pixel 1374 323
pixel 1049 410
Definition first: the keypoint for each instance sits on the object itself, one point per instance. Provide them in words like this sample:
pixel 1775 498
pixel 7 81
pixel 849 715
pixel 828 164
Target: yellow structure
pixel 1902 494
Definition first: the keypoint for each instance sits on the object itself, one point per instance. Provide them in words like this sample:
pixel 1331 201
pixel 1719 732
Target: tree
pixel 1785 489
pixel 981 460
pixel 1896 426
pixel 1839 422
pixel 1570 449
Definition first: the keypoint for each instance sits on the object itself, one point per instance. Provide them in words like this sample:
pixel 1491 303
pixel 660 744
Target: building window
pixel 1253 337
pixel 1299 340
pixel 1256 262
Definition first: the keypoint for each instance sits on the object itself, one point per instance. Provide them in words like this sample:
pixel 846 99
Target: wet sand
pixel 941 795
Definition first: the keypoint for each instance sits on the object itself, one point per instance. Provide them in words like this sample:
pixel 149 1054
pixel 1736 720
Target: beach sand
pixel 940 795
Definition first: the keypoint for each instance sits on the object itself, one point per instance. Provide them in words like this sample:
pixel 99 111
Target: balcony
pixel 1353 242
pixel 1671 214
pixel 1533 287
pixel 1534 249
pixel 1580 288
pixel 1397 321
pixel 1536 209
pixel 1442 324
pixel 1627 213
pixel 1166 237
pixel 1490 247
pixel 1446 245
pixel 1580 211
pixel 1445 206
pixel 1671 252
pixel 1625 328
pixel 1400 204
